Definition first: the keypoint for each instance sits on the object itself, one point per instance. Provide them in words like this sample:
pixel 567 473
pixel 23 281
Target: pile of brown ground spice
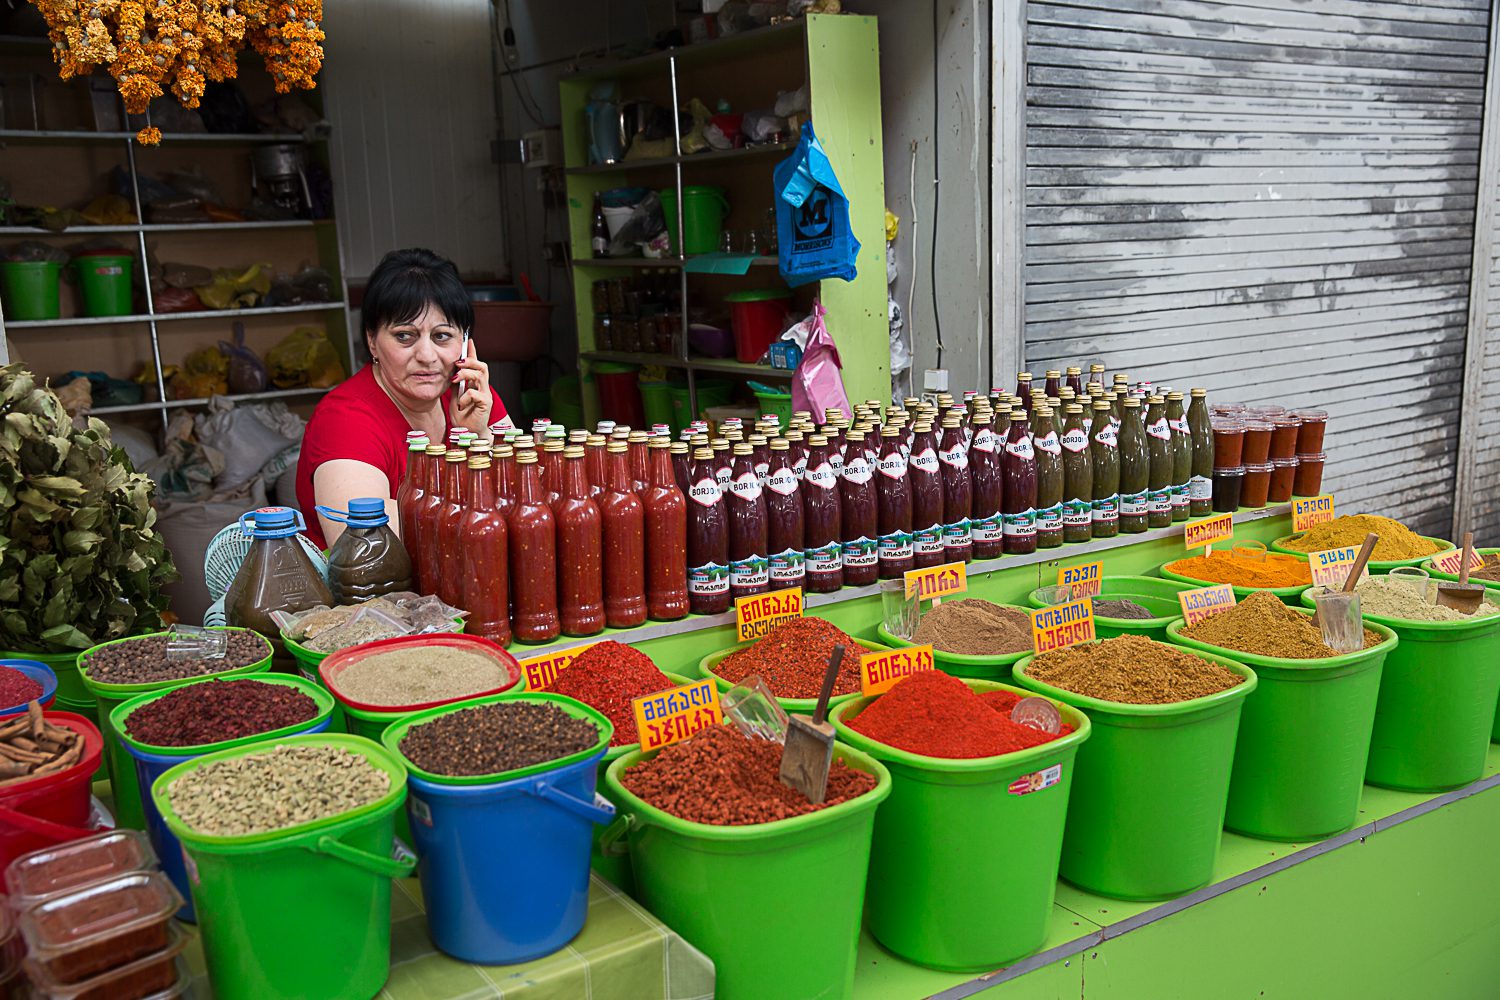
pixel 975 628
pixel 1490 570
pixel 1133 670
pixel 1263 625
pixel 1121 608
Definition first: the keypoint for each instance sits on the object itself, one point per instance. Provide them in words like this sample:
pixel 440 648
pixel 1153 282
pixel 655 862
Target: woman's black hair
pixel 407 281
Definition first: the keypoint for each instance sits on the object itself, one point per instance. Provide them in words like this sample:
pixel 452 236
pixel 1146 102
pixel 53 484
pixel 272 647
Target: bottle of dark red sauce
pixel 822 520
pixel 859 513
pixel 1020 486
pixel 926 483
pixel 746 508
pixel 707 538
pixel 893 506
pixel 784 519
pixel 958 492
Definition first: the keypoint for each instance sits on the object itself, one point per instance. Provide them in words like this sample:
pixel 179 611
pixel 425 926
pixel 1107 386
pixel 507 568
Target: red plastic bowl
pixel 337 662
pixel 53 808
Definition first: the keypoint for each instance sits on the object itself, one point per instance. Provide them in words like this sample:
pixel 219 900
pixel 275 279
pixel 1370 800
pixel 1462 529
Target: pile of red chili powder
pixel 609 676
pixel 16 688
pixel 936 715
pixel 794 657
pixel 723 777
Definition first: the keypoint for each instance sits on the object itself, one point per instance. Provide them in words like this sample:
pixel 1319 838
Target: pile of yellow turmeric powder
pixel 1397 541
pixel 1225 567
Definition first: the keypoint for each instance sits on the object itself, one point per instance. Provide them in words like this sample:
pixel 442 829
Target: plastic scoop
pixel 1463 596
pixel 809 742
pixel 1250 549
pixel 754 710
pixel 1037 713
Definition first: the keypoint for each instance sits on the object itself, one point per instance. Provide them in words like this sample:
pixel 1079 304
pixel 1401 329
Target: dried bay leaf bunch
pixel 80 559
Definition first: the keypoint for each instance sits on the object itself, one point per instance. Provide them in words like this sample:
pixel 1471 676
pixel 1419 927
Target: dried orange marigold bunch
pixel 151 46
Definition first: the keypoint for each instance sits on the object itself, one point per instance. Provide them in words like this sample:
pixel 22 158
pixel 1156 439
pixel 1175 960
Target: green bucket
pixel 1437 704
pixel 722 887
pixel 1287 595
pixel 70 686
pixel 1152 593
pixel 29 289
pixel 656 402
pixel 127 792
pixel 711 392
pixel 300 912
pixel 1375 565
pixel 104 283
pixel 1299 763
pixel 1150 790
pixel 940 876
pixel 965 665
pixel 799 706
pixel 1426 564
pixel 122 712
pixel 703 212
pixel 775 401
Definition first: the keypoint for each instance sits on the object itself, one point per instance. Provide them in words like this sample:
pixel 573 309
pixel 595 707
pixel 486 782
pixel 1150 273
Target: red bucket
pixel 619 393
pixel 54 808
pixel 757 318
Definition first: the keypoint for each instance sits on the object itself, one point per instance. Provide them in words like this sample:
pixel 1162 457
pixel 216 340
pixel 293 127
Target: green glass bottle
pixel 1182 455
pixel 1135 467
pixel 1159 447
pixel 1105 453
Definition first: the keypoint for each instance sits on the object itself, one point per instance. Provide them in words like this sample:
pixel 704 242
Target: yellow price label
pixel 1330 567
pixel 1062 625
pixel 879 671
pixel 542 670
pixel 1199 604
pixel 1085 579
pixel 669 716
pixel 755 616
pixel 937 581
pixel 1308 512
pixel 1452 561
pixel 1196 534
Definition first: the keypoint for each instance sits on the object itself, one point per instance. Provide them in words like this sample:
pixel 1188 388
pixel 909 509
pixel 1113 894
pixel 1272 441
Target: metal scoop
pixel 809 742
pixel 1463 596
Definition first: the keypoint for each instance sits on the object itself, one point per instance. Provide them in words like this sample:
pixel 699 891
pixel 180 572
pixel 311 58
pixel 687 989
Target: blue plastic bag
pixel 812 217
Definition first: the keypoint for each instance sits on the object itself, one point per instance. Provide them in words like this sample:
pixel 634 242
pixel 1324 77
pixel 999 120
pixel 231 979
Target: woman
pixel 422 376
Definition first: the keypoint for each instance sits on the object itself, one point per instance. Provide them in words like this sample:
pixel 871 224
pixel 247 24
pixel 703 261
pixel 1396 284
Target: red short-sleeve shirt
pixel 358 421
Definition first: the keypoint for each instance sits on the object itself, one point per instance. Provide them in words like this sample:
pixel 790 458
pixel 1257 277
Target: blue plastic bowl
pixel 37 671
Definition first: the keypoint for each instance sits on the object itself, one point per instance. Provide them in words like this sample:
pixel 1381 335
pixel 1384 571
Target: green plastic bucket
pixel 711 392
pixel 70 686
pixel 1299 762
pixel 656 402
pixel 965 665
pixel 940 875
pixel 104 283
pixel 1152 593
pixel 1149 795
pixel 1287 595
pixel 30 289
pixel 774 401
pixel 1375 565
pixel 127 791
pixel 1426 564
pixel 723 888
pixel 703 212
pixel 1436 711
pixel 801 706
pixel 300 912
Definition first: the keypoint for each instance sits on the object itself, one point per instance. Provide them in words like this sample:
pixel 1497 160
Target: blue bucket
pixel 482 905
pixel 37 671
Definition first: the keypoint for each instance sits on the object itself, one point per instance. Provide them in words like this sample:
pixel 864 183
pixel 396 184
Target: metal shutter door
pixel 1272 201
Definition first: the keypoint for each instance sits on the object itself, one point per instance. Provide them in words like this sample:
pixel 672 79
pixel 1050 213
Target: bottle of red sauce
pixel 483 541
pixel 958 492
pixel 580 549
pixel 821 518
pixel 533 556
pixel 859 514
pixel 784 519
pixel 623 520
pixel 552 463
pixel 450 559
pixel 424 545
pixel 638 461
pixel 749 569
pixel 988 496
pixel 412 485
pixel 707 538
pixel 893 506
pixel 503 475
pixel 666 536
pixel 926 478
pixel 1020 486
pixel 762 456
pixel 596 462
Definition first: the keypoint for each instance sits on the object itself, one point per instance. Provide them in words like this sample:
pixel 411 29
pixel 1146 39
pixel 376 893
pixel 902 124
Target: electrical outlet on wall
pixel 935 380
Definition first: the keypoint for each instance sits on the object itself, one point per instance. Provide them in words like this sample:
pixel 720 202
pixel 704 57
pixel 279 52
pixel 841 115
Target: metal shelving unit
pixel 154 318
pixel 720 365
pixel 173 404
pixel 184 227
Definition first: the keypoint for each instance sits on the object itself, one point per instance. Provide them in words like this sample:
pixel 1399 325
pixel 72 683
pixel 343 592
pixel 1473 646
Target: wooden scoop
pixel 809 742
pixel 1358 569
pixel 1463 596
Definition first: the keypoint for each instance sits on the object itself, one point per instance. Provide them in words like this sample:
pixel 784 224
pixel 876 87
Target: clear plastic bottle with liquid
pixel 367 560
pixel 276 575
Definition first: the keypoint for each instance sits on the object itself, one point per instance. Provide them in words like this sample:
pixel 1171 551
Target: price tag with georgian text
pixel 937 581
pixel 879 671
pixel 1084 578
pixel 1208 531
pixel 1330 567
pixel 1307 512
pixel 1062 625
pixel 542 670
pixel 1452 561
pixel 755 616
pixel 675 714
pixel 1199 604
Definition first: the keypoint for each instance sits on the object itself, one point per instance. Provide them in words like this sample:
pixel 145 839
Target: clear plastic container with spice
pixel 1228 485
pixel 1283 477
pixel 161 975
pixel 1229 442
pixel 1284 431
pixel 1257 484
pixel 1309 478
pixel 1257 447
pixel 79 935
pixel 56 871
pixel 1310 432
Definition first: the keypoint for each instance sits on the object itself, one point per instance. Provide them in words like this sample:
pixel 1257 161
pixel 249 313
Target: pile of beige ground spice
pixel 975 627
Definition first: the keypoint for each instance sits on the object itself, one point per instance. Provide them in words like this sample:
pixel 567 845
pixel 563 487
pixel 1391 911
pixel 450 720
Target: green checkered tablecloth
pixel 623 953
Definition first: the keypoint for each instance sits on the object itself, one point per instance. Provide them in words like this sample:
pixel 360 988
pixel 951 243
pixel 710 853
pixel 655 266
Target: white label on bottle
pixel 706 491
pixel 957 534
pixel 1178 426
pixel 746 487
pixel 924 461
pixel 1159 430
pixel 723 475
pixel 893 466
pixel 1179 496
pixel 1048 443
pixel 782 481
pixel 955 457
pixel 1021 524
pixel 859 551
pixel 857 470
pixel 1075 440
pixel 710 578
pixel 823 477
pixel 1108 436
pixel 1105 510
pixel 1132 504
pixel 749 572
pixel 896 545
pixel 984 440
pixel 928 540
pixel 986 529
pixel 824 558
pixel 800 467
pixel 599 245
pixel 786 566
pixel 1200 488
pixel 1159 501
pixel 1020 448
pixel 762 470
pixel 1088 425
pixel 1077 513
pixel 836 461
pixel 1049 518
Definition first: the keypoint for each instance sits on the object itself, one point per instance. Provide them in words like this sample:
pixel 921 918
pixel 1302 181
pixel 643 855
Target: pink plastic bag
pixel 819 384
